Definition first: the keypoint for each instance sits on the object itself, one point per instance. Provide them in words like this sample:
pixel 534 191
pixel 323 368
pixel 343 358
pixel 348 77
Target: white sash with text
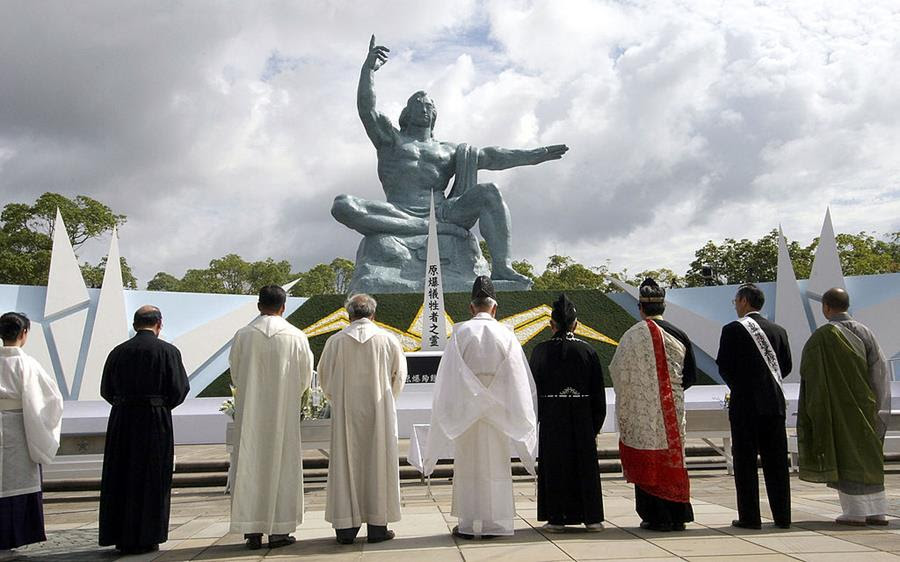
pixel 764 347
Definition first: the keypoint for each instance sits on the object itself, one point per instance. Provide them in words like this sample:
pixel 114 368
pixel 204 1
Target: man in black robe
pixel 753 368
pixel 143 379
pixel 571 410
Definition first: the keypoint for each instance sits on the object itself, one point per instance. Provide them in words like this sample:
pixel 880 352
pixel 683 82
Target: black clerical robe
pixel 571 410
pixel 143 379
pixel 654 509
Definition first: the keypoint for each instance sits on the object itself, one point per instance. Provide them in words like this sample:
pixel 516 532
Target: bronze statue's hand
pixel 553 152
pixel 378 55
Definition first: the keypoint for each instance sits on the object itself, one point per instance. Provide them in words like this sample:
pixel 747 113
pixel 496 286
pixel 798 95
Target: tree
pixel 524 268
pixel 320 280
pixel 163 281
pixel 343 269
pixel 745 261
pixel 485 251
pixel 93 274
pixel 26 234
pixel 563 273
pixel 664 276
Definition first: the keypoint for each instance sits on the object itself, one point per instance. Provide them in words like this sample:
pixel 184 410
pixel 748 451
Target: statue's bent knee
pixel 491 193
pixel 343 207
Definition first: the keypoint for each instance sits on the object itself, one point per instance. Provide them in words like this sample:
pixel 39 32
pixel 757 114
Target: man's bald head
pixel 835 301
pixel 147 317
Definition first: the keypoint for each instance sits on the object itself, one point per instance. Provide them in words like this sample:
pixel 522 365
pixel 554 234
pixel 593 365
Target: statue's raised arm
pixel 496 158
pixel 378 126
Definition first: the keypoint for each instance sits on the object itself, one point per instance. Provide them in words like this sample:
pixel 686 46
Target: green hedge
pixel 595 309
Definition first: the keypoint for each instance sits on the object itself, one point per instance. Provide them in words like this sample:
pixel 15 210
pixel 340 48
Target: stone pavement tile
pixel 711 508
pixel 187 549
pixel 692 531
pixel 767 529
pixel 597 550
pixel 431 554
pixel 743 558
pixel 842 557
pixel 194 526
pixel 578 534
pixel 325 546
pixel 815 543
pixel 711 546
pixel 403 543
pixel 542 552
pixel 213 531
pixel 880 541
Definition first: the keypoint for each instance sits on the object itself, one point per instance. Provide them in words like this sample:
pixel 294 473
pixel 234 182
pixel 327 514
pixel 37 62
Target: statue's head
pixel 419 111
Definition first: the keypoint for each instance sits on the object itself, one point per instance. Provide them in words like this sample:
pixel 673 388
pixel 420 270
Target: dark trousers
pixel 753 435
pixel 371 531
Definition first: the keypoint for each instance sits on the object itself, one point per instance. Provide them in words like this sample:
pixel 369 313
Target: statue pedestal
pixel 388 263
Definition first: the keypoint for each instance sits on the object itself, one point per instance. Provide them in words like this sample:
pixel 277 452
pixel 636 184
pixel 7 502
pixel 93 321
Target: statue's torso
pixel 410 170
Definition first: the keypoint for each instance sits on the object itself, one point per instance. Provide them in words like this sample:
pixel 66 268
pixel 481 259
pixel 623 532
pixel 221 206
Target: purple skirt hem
pixel 21 520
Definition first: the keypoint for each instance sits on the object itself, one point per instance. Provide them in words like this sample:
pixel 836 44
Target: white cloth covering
pixel 271 367
pixel 638 409
pixel 362 370
pixel 863 505
pixel 484 396
pixel 30 421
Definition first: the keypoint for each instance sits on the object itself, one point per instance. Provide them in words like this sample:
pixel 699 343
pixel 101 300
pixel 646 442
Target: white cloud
pixel 230 127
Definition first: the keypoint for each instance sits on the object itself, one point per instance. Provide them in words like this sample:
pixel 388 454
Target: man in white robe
pixel 30 419
pixel 362 370
pixel 271 367
pixel 484 400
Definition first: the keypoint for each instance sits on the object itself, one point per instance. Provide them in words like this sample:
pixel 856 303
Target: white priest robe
pixel 271 367
pixel 30 419
pixel 484 399
pixel 362 370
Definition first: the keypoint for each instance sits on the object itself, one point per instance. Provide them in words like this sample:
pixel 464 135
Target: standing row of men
pixel 488 400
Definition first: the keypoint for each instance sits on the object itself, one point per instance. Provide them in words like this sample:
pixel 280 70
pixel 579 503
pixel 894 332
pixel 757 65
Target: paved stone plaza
pixel 199 530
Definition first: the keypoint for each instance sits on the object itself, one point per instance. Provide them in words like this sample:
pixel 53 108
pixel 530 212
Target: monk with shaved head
pixel 845 403
pixel 143 379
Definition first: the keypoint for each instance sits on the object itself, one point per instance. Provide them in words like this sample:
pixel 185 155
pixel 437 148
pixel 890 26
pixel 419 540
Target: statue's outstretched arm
pixel 496 158
pixel 377 125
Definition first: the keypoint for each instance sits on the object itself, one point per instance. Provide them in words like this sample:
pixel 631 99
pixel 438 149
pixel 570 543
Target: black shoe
pixel 281 540
pixel 388 535
pixel 254 541
pixel 678 527
pixel 466 536
pixel 660 527
pixel 745 525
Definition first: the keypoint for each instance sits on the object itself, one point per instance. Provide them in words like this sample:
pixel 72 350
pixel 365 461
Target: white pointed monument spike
pixel 434 327
pixel 826 270
pixel 110 324
pixel 65 286
pixel 789 310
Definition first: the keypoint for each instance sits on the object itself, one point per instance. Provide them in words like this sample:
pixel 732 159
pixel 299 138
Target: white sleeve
pixel 42 407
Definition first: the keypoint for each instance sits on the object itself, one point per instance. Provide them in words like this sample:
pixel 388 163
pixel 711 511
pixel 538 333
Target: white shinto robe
pixel 362 370
pixel 484 398
pixel 30 419
pixel 271 367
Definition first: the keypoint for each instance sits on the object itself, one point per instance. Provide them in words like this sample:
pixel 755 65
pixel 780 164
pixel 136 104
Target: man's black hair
pixel 272 297
pixel 145 317
pixel 12 324
pixel 752 294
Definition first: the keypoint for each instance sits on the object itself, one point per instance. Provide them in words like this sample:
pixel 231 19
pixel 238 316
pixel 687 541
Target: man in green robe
pixel 844 407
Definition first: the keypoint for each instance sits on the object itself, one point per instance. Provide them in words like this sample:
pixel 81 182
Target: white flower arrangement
pixel 313 404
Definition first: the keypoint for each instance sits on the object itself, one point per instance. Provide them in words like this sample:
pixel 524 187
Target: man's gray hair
pixel 482 303
pixel 360 306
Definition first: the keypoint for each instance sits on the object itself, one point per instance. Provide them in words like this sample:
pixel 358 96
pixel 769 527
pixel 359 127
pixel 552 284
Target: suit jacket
pixel 753 390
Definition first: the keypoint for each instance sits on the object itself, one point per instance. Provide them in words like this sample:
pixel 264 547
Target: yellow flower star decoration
pixel 526 325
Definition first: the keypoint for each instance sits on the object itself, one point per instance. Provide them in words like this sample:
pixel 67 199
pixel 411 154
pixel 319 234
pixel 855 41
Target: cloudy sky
pixel 229 127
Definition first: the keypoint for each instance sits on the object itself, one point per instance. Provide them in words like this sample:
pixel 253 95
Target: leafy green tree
pixel 664 276
pixel 563 273
pixel 343 270
pixel 743 261
pixel 524 268
pixel 26 234
pixel 485 251
pixel 163 281
pixel 93 274
pixel 320 280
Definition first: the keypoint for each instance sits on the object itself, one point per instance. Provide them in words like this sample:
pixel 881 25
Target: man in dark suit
pixel 754 355
pixel 143 379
